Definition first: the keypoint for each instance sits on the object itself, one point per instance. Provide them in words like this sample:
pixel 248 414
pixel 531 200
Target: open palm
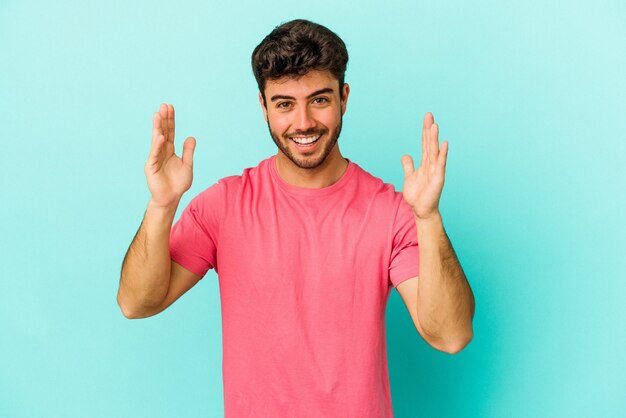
pixel 168 176
pixel 422 187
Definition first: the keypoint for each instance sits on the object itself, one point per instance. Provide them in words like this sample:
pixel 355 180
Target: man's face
pixel 302 110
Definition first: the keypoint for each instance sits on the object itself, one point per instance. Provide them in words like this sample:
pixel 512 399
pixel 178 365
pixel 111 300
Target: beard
pixel 308 162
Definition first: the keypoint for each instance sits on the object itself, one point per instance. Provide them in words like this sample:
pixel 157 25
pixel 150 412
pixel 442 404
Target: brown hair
pixel 297 47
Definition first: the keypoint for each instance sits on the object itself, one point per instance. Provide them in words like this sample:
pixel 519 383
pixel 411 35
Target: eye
pixel 320 100
pixel 283 105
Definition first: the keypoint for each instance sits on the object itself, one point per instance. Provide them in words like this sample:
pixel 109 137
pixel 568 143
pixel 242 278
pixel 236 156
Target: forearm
pixel 145 273
pixel 445 299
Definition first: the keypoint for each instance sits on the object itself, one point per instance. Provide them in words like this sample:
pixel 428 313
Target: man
pixel 307 246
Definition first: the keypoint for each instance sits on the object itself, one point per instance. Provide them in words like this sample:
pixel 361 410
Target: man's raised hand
pixel 422 187
pixel 168 176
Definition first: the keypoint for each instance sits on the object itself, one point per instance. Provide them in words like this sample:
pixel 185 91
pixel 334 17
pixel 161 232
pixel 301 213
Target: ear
pixel 263 106
pixel 344 98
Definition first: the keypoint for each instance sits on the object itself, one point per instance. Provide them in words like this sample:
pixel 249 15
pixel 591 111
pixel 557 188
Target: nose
pixel 303 120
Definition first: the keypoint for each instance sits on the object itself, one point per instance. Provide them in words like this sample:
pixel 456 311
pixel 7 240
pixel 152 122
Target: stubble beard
pixel 308 162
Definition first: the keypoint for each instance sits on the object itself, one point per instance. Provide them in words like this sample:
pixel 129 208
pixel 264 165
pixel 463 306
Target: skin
pixel 294 108
pixel 168 176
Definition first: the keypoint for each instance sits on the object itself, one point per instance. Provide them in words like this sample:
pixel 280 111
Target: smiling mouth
pixel 305 140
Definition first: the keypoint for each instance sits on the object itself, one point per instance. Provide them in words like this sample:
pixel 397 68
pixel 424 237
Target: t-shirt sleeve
pixel 194 237
pixel 404 261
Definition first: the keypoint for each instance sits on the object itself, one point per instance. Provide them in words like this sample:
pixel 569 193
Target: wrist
pixel 432 218
pixel 163 210
pixel 429 231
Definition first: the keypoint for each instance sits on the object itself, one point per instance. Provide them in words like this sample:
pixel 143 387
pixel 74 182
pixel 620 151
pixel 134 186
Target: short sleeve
pixel 194 237
pixel 404 261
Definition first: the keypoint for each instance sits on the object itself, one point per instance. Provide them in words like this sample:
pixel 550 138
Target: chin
pixel 319 156
pixel 309 162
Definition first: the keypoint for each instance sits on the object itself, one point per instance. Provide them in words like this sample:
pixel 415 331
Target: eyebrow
pixel 315 93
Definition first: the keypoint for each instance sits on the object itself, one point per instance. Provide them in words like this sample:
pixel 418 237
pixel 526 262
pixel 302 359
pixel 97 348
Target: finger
pixel 443 154
pixel 434 142
pixel 155 152
pixel 163 113
pixel 188 147
pixel 407 165
pixel 424 145
pixel 170 122
pixel 428 123
pixel 156 126
pixel 429 119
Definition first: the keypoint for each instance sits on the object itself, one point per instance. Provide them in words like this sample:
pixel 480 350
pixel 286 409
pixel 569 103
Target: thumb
pixel 407 165
pixel 188 147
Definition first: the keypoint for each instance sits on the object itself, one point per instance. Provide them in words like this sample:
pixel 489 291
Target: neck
pixel 326 174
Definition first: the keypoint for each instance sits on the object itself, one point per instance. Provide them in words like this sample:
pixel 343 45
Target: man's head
pixel 295 48
pixel 299 68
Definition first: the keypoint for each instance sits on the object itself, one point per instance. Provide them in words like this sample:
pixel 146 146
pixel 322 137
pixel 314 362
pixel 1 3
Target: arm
pixel 445 303
pixel 441 299
pixel 179 281
pixel 146 280
pixel 145 274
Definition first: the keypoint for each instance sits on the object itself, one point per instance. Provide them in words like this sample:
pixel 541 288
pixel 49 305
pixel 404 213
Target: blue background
pixel 530 95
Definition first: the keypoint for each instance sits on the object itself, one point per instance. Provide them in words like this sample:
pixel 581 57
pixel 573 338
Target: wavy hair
pixel 297 47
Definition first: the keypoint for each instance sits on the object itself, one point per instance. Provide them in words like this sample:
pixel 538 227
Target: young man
pixel 307 246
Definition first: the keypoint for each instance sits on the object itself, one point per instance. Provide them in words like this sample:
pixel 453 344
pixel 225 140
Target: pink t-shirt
pixel 304 277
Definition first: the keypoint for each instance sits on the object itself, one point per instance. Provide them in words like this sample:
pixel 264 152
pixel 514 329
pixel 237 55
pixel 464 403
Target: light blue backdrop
pixel 530 95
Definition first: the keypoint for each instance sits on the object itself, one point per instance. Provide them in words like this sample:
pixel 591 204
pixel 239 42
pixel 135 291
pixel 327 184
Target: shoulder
pixel 376 187
pixel 237 181
pixel 384 198
pixel 234 187
pixel 248 175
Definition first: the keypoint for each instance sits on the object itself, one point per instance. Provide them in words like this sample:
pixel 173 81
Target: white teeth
pixel 305 140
